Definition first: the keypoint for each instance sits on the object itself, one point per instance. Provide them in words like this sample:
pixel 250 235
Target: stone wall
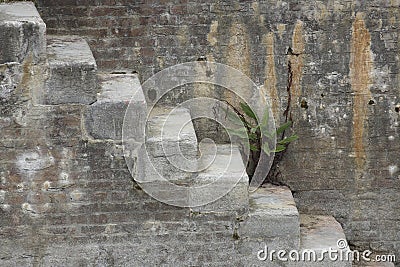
pixel 330 66
pixel 67 199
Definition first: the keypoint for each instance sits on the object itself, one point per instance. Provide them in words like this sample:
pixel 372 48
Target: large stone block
pixel 321 238
pixel 223 184
pixel 170 148
pixel 104 119
pixel 273 218
pixel 170 144
pixel 321 234
pixel 10 97
pixel 22 33
pixel 171 134
pixel 72 72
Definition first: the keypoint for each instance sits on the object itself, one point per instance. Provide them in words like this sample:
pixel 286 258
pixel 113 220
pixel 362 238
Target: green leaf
pixel 265 118
pixel 283 127
pixel 253 147
pixel 253 136
pixel 279 148
pixel 269 135
pixel 254 129
pixel 247 110
pixel 234 118
pixel 264 126
pixel 288 140
pixel 265 148
pixel 241 132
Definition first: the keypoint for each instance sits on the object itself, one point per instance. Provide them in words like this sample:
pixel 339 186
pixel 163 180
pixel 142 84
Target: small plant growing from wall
pixel 252 132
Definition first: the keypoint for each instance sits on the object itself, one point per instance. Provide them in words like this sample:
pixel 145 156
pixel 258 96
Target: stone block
pixel 171 134
pixel 10 97
pixel 321 233
pixel 272 216
pixel 170 148
pixel 22 33
pixel 104 119
pixel 72 72
pixel 223 184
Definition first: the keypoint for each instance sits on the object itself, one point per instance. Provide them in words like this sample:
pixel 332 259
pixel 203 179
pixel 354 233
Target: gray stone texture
pixel 171 133
pixel 226 177
pixel 320 233
pixel 273 215
pixel 170 143
pixel 104 118
pixel 10 96
pixel 22 33
pixel 68 201
pixel 72 72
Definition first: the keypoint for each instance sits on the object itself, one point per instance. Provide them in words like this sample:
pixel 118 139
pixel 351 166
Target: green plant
pixel 256 135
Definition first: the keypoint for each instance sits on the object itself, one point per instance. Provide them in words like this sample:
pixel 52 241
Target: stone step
pixel 104 118
pixel 170 143
pixel 72 72
pixel 212 179
pixel 273 220
pixel 274 224
pixel 320 234
pixel 22 33
pixel 371 263
pixel 221 183
pixel 171 133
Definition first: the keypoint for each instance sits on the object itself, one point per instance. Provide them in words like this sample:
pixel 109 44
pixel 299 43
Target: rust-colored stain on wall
pixel 238 56
pixel 269 87
pixel 238 53
pixel 212 36
pixel 360 68
pixel 296 60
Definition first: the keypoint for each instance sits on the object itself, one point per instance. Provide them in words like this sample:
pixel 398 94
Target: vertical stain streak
pixel 238 57
pixel 239 48
pixel 269 87
pixel 360 68
pixel 183 35
pixel 295 69
pixel 396 24
pixel 281 29
pixel 212 36
pixel 297 60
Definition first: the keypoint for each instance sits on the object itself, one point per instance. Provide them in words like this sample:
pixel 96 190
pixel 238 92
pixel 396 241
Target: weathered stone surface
pixel 104 118
pixel 165 158
pixel 338 83
pixel 170 147
pixel 319 234
pixel 273 217
pixel 224 175
pixel 373 264
pixel 10 96
pixel 22 33
pixel 171 134
pixel 72 72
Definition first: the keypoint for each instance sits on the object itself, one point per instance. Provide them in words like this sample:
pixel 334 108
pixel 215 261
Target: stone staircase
pixel 234 230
